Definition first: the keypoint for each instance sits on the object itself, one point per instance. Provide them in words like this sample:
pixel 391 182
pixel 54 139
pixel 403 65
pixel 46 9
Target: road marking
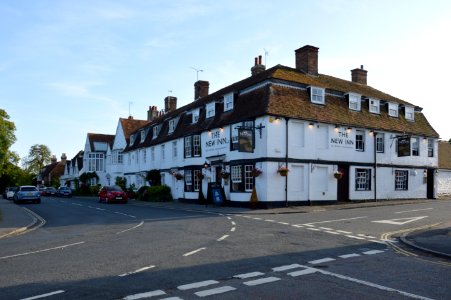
pixel 401 221
pixel 137 271
pixel 220 290
pixel 285 268
pixel 194 252
pixel 261 281
pixel 320 261
pixel 119 213
pixel 413 210
pixel 349 255
pixel 257 218
pixel 76 204
pixel 345 232
pixel 297 225
pixel 302 272
pixel 330 221
pixel 98 208
pixel 332 232
pixel 145 295
pixel 43 250
pixel 172 298
pixel 325 228
pixel 314 229
pixel 284 223
pixel 366 236
pixel 379 242
pixel 233 229
pixel 45 295
pixel 229 218
pixel 196 285
pixel 134 227
pixel 268 220
pixel 233 223
pixel 248 275
pixel 373 252
pixel 367 283
pixel 223 237
pixel 355 237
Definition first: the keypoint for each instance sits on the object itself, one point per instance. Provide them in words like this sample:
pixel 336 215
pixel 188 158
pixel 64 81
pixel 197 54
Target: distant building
pixel 444 171
pixel 52 172
pixel 72 171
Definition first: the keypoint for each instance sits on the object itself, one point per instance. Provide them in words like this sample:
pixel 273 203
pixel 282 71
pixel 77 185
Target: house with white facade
pixel 72 171
pixel 294 136
pixel 94 157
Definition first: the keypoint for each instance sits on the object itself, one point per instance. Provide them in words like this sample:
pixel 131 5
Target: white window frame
pixel 409 113
pixel 156 131
pixel 317 95
pixel 362 179
pixel 248 178
pixel 380 142
pixel 172 125
pixel 415 146
pixel 210 109
pixel 188 146
pixel 195 114
pixel 430 147
pixel 174 149
pixel 374 106
pixel 228 102
pixel 132 139
pixel 393 109
pixel 401 180
pixel 188 178
pixel 196 145
pixel 360 144
pixel 96 162
pixel 354 101
pixel 143 135
pixel 235 174
pixel 197 180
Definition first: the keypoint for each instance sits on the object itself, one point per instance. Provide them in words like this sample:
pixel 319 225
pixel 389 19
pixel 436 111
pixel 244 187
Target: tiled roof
pixel 281 91
pixel 130 125
pixel 101 138
pixel 444 155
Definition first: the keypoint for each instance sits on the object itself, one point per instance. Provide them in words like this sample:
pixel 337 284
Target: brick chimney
pixel 201 89
pixel 307 60
pixel 53 159
pixel 152 113
pixel 63 158
pixel 170 104
pixel 258 66
pixel 359 75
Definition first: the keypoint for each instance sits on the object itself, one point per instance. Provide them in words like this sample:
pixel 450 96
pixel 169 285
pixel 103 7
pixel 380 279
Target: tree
pixel 7 138
pixel 38 156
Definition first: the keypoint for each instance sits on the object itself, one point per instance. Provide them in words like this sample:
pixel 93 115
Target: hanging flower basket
pixel 178 176
pixel 283 171
pixel 338 175
pixel 225 175
pixel 256 172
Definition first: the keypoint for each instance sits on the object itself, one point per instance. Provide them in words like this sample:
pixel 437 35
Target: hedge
pixel 159 193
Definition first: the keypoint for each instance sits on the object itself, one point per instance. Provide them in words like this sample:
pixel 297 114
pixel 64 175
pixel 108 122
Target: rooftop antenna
pixel 266 55
pixel 129 104
pixel 197 72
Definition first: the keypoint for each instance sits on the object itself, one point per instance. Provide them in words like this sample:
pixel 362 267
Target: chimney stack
pixel 53 159
pixel 152 113
pixel 63 158
pixel 201 89
pixel 170 104
pixel 258 67
pixel 359 75
pixel 307 60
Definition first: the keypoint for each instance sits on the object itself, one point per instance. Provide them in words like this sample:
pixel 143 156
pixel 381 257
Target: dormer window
pixel 393 109
pixel 228 102
pixel 211 109
pixel 373 106
pixel 156 131
pixel 317 95
pixel 172 125
pixel 195 114
pixel 354 101
pixel 143 135
pixel 409 113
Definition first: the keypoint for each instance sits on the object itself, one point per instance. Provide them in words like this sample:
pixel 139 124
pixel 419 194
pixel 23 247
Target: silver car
pixel 27 193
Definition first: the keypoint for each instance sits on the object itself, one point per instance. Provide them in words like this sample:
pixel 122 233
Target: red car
pixel 113 193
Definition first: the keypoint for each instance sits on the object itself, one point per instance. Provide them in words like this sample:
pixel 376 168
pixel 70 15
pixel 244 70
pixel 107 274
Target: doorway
pixel 430 184
pixel 343 183
pixel 217 176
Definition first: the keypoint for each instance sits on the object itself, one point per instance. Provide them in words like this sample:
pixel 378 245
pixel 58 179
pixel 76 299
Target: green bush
pixel 94 190
pixel 159 193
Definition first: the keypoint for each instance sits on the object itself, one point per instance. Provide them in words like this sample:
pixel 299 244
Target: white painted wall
pixel 443 179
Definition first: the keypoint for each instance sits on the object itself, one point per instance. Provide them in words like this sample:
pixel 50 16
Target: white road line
pixel 270 220
pixel 284 223
pixel 76 204
pixel 119 213
pixel 220 290
pixel 196 285
pixel 233 229
pixel 137 271
pixel 134 227
pixel 374 285
pixel 314 229
pixel 172 298
pixel 308 225
pixel 98 208
pixel 297 225
pixel 320 261
pixel 285 268
pixel 194 252
pixel 355 237
pixel 233 223
pixel 145 295
pixel 302 272
pixel 345 232
pixel 349 255
pixel 381 242
pixel 413 210
pixel 43 250
pixel 373 252
pixel 257 218
pixel 45 295
pixel 325 228
pixel 261 281
pixel 366 236
pixel 229 218
pixel 332 232
pixel 248 275
pixel 330 221
pixel 223 237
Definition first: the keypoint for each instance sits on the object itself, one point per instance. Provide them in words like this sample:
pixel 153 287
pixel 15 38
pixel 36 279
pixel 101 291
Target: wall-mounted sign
pixel 403 146
pixel 245 140
pixel 342 139
pixel 217 143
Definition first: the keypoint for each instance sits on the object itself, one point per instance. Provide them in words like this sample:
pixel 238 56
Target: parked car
pixel 10 193
pixel 64 191
pixel 112 193
pixel 27 193
pixel 50 191
pixel 42 190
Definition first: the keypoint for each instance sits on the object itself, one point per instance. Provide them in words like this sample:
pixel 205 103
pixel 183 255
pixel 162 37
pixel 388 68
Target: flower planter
pixel 178 176
pixel 283 173
pixel 338 175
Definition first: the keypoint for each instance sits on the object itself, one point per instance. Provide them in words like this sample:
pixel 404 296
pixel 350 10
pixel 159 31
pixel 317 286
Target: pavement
pixel 435 240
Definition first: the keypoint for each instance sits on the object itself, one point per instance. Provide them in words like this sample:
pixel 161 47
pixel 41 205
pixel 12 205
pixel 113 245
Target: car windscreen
pixel 114 189
pixel 28 189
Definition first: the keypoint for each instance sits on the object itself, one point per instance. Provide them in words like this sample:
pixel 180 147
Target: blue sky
pixel 72 67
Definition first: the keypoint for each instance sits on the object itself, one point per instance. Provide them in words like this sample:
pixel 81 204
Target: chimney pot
pixel 258 67
pixel 259 59
pixel 256 61
pixel 307 60
pixel 170 104
pixel 359 75
pixel 201 89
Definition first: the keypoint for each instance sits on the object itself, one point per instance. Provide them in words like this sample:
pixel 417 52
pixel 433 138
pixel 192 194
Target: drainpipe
pixel 286 160
pixel 375 166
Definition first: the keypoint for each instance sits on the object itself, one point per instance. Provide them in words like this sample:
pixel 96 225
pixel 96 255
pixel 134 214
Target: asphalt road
pixel 88 250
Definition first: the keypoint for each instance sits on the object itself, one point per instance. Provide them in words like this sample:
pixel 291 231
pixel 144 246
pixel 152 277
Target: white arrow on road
pixel 401 221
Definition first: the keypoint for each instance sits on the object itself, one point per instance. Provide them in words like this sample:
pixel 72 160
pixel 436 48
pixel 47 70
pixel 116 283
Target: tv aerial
pixel 197 72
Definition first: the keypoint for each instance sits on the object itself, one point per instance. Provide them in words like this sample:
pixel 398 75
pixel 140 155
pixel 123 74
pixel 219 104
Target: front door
pixel 343 183
pixel 430 184
pixel 217 176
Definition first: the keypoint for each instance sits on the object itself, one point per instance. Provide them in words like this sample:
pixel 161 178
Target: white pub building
pixel 293 134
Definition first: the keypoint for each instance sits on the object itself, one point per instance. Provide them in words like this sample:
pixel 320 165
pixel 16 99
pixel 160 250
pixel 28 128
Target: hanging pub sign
pixel 403 146
pixel 245 140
